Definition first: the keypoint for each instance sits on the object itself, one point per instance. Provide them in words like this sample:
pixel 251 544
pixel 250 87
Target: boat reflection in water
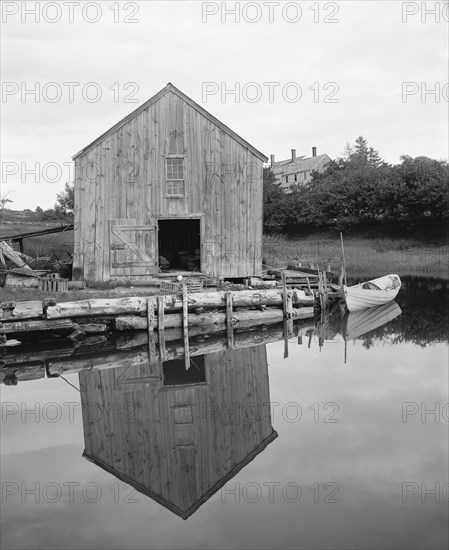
pixel 178 435
pixel 358 323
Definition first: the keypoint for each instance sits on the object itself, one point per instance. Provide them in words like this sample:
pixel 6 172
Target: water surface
pixel 339 445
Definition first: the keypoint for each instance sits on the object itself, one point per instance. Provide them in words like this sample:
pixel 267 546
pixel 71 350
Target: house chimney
pixel 293 155
pixel 271 161
pixel 313 151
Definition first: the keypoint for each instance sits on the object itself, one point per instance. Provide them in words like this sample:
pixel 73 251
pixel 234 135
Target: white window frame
pixel 167 180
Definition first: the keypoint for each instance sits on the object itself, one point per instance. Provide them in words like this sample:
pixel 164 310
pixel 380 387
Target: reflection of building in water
pixel 176 435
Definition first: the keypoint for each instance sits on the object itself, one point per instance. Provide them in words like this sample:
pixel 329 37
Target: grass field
pixel 365 257
pixel 58 244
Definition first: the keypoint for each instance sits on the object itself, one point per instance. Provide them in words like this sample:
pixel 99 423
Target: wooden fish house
pixel 171 188
pixel 177 436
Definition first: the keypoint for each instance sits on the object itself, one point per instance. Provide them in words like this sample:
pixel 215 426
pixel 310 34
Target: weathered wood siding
pixel 176 443
pixel 123 178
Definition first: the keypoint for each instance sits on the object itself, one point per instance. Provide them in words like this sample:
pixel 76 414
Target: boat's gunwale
pixel 375 282
pixel 357 297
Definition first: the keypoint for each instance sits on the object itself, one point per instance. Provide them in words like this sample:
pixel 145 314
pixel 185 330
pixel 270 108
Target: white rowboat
pixel 372 293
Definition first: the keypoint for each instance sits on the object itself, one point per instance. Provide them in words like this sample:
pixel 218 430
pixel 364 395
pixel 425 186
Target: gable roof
pixel 184 513
pixel 184 97
pixel 300 164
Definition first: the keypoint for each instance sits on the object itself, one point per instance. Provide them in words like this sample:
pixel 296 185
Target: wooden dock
pixel 99 352
pixel 224 309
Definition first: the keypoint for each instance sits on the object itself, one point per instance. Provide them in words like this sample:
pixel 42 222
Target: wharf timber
pixel 220 309
pixel 52 359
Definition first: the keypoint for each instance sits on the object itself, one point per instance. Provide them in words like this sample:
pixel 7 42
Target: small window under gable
pixel 174 177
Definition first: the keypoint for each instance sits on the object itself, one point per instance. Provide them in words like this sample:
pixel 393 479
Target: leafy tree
pixel 360 187
pixel 274 202
pixel 363 155
pixel 4 200
pixel 66 199
pixel 420 189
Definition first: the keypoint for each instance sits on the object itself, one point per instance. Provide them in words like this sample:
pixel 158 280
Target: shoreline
pixel 365 257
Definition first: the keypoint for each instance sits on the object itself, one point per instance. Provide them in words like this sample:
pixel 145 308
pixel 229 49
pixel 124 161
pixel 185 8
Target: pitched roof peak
pixel 171 88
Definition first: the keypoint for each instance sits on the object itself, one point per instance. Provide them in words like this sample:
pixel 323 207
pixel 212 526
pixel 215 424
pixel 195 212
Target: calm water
pixel 336 446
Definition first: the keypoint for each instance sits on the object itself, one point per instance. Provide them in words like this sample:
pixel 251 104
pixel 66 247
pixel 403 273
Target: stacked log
pixel 130 313
pixel 127 349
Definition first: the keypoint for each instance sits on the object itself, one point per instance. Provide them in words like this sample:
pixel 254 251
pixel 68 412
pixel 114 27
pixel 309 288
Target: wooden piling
pixel 229 326
pixel 229 303
pixel 285 311
pixel 151 323
pixel 185 328
pixel 161 327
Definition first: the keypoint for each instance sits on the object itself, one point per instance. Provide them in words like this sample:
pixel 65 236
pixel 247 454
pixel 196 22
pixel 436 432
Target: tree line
pixel 62 210
pixel 360 188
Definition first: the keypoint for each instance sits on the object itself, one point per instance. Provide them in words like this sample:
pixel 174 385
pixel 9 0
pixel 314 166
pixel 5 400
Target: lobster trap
pixel 193 284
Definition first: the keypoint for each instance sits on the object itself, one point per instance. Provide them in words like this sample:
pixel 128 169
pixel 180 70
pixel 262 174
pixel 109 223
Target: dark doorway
pixel 179 245
pixel 175 373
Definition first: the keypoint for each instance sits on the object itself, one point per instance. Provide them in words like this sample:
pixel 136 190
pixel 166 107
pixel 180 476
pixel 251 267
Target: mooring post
pixel 321 289
pixel 284 293
pixel 326 293
pixel 308 285
pixel 161 329
pixel 151 323
pixel 285 309
pixel 290 313
pixel 310 332
pixel 150 315
pixel 285 338
pixel 185 328
pixel 229 303
pixel 229 326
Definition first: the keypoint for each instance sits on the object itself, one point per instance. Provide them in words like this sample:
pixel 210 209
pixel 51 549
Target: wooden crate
pixel 53 283
pixel 194 284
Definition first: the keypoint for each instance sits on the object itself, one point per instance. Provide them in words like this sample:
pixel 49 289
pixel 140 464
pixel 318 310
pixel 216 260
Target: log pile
pixel 34 361
pixel 219 309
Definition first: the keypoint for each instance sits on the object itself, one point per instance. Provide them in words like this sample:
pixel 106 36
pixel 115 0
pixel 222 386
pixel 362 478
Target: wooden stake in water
pixel 343 254
pixel 185 327
pixel 151 322
pixel 285 308
pixel 161 328
pixel 229 327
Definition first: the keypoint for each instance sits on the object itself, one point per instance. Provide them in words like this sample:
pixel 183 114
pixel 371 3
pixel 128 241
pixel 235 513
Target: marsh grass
pixel 57 244
pixel 365 257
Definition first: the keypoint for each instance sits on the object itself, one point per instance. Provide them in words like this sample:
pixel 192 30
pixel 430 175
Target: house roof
pixel 184 513
pixel 300 164
pixel 170 88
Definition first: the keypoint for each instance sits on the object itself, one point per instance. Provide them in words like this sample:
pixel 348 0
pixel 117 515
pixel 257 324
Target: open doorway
pixel 179 245
pixel 175 373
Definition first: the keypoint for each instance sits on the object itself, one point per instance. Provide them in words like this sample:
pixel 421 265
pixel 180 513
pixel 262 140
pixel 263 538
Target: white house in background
pixel 298 170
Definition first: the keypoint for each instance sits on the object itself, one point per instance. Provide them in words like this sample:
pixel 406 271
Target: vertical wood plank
pixel 229 326
pixel 151 323
pixel 229 303
pixel 284 294
pixel 284 306
pixel 290 313
pixel 185 328
pixel 161 329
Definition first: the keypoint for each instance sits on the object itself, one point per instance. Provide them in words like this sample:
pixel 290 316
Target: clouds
pixel 368 51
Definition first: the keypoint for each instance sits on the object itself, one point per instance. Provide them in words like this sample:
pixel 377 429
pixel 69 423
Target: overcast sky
pixel 337 70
